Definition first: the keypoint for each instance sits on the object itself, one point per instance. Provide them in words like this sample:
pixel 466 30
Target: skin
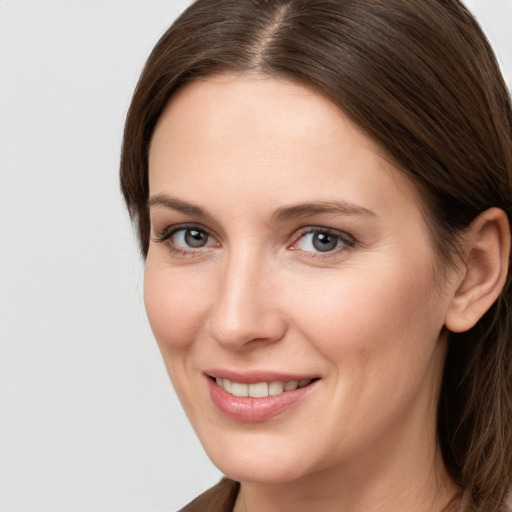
pixel 366 318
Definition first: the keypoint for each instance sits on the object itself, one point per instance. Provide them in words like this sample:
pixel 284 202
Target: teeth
pixel 274 388
pixel 228 386
pixel 260 389
pixel 240 389
pixel 291 385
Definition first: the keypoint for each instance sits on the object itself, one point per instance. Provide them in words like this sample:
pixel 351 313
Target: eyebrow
pixel 316 208
pixel 281 214
pixel 176 204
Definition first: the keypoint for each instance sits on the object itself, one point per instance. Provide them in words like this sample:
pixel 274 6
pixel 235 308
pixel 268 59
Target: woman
pixel 322 191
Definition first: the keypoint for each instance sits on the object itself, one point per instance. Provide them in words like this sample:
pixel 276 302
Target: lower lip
pixel 254 410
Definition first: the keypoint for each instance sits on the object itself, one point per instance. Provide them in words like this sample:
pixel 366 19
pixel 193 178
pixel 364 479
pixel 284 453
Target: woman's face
pixel 286 251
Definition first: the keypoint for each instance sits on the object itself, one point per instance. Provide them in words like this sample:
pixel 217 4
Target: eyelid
pixel 348 241
pixel 166 235
pixel 170 230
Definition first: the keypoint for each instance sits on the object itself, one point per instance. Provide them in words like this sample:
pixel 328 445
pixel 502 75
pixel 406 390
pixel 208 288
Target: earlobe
pixel 483 272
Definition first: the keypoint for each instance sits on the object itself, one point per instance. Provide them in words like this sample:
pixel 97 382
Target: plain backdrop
pixel 88 418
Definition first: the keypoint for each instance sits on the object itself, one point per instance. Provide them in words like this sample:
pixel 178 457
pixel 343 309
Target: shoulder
pixel 219 498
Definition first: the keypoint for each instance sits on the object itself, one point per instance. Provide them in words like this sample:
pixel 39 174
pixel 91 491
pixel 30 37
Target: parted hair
pixel 420 78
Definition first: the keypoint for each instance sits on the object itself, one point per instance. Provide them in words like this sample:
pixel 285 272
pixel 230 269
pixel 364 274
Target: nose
pixel 247 311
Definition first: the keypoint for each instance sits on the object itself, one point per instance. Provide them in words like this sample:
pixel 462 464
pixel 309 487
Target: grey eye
pixel 320 241
pixel 193 237
pixel 190 238
pixel 324 242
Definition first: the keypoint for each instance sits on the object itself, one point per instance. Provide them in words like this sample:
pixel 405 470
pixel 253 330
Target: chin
pixel 259 461
pixel 259 471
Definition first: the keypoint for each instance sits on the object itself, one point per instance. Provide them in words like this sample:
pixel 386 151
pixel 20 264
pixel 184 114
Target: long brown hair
pixel 421 79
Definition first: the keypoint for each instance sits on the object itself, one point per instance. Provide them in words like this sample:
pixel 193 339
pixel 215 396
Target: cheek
pixel 175 303
pixel 390 314
pixel 379 333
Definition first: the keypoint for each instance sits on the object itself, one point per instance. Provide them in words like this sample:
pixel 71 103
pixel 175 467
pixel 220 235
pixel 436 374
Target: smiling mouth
pixel 255 400
pixel 260 389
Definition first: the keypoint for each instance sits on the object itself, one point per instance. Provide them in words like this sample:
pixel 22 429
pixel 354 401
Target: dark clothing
pixel 220 498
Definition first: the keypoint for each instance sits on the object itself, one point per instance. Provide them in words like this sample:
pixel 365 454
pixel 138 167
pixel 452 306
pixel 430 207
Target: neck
pixel 387 488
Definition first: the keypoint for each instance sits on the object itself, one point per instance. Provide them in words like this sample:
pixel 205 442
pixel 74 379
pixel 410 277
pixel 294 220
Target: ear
pixel 483 270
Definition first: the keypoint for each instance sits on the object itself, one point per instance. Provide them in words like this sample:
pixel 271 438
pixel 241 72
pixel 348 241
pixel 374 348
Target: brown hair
pixel 421 79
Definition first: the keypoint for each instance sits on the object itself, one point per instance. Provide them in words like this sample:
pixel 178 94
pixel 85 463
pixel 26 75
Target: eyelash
pixel 168 233
pixel 344 241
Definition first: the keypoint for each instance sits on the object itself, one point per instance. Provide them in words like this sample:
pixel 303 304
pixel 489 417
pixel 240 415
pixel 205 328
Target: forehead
pixel 262 137
pixel 257 104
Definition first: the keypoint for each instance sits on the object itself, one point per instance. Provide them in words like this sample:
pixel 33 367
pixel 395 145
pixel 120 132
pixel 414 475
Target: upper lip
pixel 254 376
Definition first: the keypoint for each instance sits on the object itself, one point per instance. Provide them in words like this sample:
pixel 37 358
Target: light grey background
pixel 88 419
